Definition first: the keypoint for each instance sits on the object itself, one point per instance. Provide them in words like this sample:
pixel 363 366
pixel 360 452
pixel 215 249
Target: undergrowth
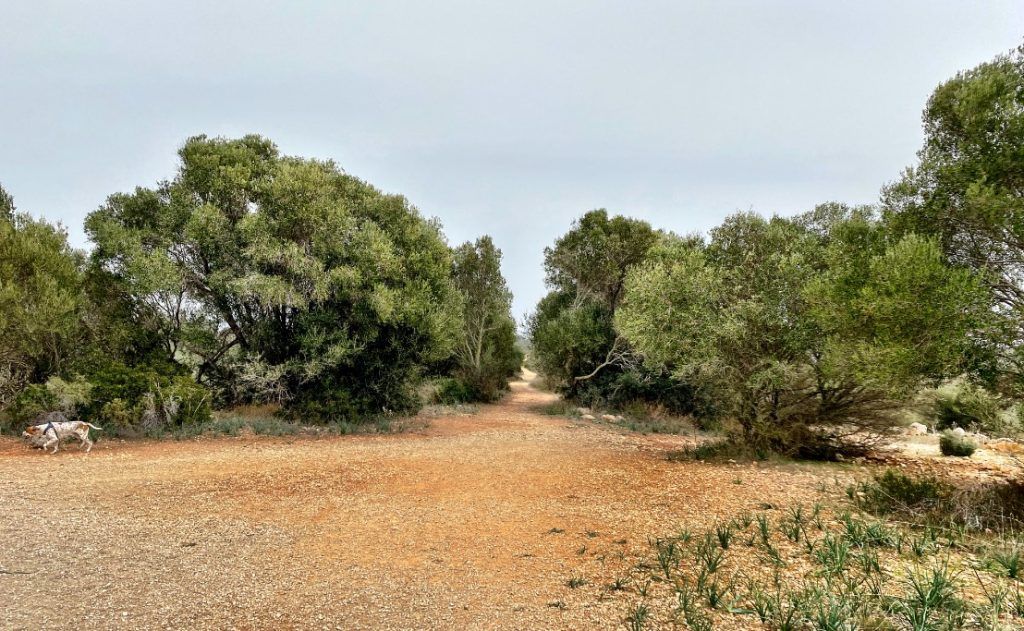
pixel 854 564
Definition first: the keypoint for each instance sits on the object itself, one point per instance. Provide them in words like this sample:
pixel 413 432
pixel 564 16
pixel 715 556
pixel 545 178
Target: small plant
pixel 637 618
pixel 618 584
pixel 709 554
pixel 763 528
pixel 832 554
pixel 668 556
pixel 1009 561
pixel 724 532
pixel 576 581
pixel 952 445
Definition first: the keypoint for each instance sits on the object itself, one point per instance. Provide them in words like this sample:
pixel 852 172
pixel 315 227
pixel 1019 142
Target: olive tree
pixel 967 192
pixel 486 352
pixel 40 299
pixel 810 331
pixel 277 277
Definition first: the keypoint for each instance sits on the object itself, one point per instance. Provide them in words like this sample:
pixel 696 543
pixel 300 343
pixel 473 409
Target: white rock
pixel 917 429
pixel 959 431
pixel 583 410
pixel 588 417
pixel 609 417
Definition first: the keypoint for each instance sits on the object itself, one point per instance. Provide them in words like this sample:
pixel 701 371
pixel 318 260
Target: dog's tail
pixel 93 426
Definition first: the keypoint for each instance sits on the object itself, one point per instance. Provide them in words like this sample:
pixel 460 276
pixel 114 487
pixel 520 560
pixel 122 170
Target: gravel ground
pixel 475 522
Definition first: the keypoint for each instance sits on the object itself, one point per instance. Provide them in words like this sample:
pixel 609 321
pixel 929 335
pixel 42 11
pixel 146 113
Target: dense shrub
pixel 452 391
pixel 952 445
pixel 930 500
pixel 971 408
pixel 894 491
pixel 343 294
pixel 812 332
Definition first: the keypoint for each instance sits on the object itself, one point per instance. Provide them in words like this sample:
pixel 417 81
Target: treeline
pixel 800 333
pixel 249 278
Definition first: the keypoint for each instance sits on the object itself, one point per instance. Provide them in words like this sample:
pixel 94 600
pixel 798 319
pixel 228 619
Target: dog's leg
pixel 52 441
pixel 88 443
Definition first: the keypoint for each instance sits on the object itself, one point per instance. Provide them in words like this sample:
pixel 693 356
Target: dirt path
pixel 477 522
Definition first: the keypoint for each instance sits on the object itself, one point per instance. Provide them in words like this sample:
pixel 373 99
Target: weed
pixel 832 554
pixel 576 581
pixel 709 554
pixel 724 532
pixel 637 618
pixel 1009 560
pixel 763 528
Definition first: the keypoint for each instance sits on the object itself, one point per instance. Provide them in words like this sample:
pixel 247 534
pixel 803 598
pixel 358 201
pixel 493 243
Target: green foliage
pixel 451 391
pixel 40 300
pixel 807 330
pixel 282 279
pixel 139 399
pixel 970 408
pixel 952 445
pixel 30 403
pixel 573 339
pixel 893 491
pixel 965 192
pixel 487 354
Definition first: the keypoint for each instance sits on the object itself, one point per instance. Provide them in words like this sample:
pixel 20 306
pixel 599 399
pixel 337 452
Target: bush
pixel 140 399
pixel 719 450
pixel 952 445
pixel 451 391
pixel 929 500
pixel 970 408
pixel 34 400
pixel 894 491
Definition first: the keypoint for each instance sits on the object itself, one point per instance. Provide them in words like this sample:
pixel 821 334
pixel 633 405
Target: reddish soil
pixel 475 522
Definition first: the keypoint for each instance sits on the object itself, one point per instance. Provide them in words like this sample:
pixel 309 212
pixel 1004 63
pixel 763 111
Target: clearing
pixel 475 522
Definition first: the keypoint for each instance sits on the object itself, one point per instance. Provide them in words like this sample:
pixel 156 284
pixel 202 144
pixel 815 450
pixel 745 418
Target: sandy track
pixel 455 526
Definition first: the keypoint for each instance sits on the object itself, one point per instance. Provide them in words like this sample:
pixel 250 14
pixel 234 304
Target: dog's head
pixel 30 432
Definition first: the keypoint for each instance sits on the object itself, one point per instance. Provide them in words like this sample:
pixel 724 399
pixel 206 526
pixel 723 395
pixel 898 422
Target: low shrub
pixel 970 408
pixel 952 445
pixel 451 391
pixel 894 491
pixel 561 408
pixel 719 450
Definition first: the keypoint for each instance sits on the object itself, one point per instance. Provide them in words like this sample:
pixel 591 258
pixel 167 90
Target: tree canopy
pixel 282 278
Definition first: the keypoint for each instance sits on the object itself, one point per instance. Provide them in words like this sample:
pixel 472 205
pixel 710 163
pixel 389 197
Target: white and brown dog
pixel 57 427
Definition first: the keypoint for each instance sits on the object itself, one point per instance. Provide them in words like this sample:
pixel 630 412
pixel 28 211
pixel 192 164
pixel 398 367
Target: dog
pixel 57 427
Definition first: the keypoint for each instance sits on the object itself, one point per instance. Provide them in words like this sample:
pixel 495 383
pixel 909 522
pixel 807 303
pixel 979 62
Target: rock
pixel 609 417
pixel 979 438
pixel 583 410
pixel 959 431
pixel 917 429
pixel 587 417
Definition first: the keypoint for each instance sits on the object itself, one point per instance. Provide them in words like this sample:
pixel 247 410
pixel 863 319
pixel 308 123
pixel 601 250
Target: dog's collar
pixel 49 426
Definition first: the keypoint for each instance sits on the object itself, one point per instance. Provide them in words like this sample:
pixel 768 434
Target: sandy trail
pixel 477 522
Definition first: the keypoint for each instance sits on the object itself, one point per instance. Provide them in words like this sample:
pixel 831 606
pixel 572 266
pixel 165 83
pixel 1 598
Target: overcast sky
pixel 508 118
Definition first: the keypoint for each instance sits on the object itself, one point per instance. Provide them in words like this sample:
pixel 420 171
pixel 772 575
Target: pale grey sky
pixel 507 118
